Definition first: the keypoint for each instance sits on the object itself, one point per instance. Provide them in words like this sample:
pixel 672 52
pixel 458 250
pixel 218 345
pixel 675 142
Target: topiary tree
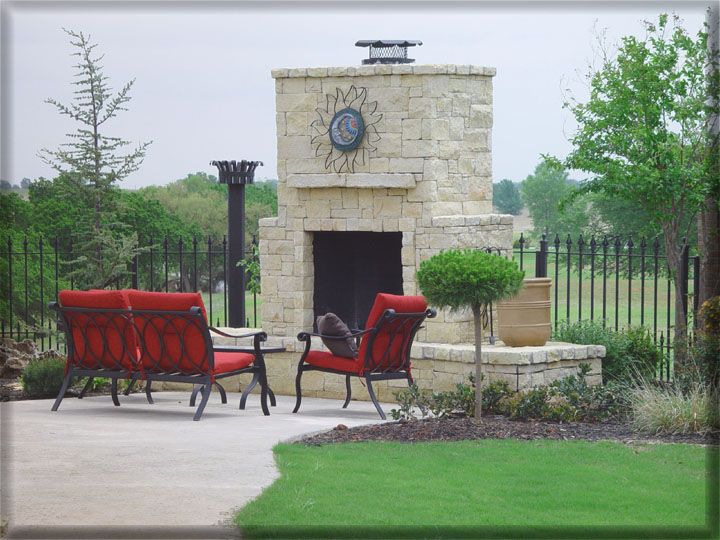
pixel 469 278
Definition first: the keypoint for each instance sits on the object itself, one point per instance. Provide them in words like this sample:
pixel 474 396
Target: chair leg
pixel 130 387
pixel 298 390
pixel 206 389
pixel 271 394
pixel 63 389
pixel 264 394
pixel 246 392
pixel 85 389
pixel 349 392
pixel 196 388
pixel 374 398
pixel 223 395
pixel 114 391
pixel 148 392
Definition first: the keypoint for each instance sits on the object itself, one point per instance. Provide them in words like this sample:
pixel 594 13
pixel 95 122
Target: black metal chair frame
pixel 98 318
pixel 385 368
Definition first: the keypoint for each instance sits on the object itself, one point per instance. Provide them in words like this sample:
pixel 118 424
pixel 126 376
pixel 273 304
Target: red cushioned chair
pixel 384 351
pixel 101 338
pixel 163 345
pixel 153 336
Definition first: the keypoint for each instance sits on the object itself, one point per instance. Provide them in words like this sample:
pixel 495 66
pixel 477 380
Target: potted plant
pixel 469 278
pixel 524 319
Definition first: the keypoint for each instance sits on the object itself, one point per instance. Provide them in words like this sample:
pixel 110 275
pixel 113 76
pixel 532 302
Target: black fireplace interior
pixel 351 268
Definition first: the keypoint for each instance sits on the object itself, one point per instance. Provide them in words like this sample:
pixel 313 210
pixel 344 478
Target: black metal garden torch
pixel 236 174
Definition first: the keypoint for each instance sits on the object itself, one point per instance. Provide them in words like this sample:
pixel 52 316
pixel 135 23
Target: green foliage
pixel 547 193
pixel 460 278
pixel 200 201
pixel 658 408
pixel 506 197
pixel 93 163
pixel 628 354
pixel 457 402
pixel 43 377
pixel 251 264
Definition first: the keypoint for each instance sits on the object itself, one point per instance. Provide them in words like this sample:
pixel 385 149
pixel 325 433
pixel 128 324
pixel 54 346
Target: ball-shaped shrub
pixel 461 278
pixel 469 278
pixel 43 377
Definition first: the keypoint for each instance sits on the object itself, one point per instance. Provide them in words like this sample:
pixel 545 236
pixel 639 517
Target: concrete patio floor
pixel 92 465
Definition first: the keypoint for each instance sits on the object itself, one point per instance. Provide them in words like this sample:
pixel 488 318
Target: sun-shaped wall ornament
pixel 347 121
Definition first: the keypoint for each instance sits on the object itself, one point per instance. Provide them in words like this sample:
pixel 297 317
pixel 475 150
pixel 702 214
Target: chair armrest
pixel 307 336
pixel 260 333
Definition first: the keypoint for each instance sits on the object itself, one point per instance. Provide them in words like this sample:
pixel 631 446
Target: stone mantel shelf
pixel 397 69
pixel 352 180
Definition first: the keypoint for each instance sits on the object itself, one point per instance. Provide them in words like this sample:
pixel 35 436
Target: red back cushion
pixel 171 342
pixel 398 331
pixel 100 340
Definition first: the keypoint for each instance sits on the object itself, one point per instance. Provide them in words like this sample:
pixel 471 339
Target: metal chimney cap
pixel 387 43
pixel 387 51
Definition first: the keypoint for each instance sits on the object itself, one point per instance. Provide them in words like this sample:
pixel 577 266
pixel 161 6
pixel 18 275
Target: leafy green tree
pixel 95 163
pixel 546 193
pixel 506 197
pixel 641 134
pixel 469 278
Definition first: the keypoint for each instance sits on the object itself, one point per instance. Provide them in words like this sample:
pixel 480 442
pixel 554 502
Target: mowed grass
pixel 487 483
pixel 218 312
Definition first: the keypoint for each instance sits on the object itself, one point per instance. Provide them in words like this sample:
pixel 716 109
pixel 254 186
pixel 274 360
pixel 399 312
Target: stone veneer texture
pixel 429 178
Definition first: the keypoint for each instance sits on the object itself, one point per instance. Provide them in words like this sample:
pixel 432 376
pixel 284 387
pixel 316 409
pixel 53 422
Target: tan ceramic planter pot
pixel 524 320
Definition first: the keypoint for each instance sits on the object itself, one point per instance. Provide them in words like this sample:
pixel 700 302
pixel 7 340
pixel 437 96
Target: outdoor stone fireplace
pixel 421 176
pixel 379 168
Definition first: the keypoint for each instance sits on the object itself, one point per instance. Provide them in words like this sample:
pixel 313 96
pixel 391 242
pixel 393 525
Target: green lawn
pixel 217 317
pixel 635 305
pixel 489 483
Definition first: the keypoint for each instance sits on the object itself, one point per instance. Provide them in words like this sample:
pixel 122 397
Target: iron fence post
pixel 541 258
pixel 684 271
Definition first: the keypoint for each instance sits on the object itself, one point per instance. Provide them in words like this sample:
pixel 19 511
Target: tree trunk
pixel 477 316
pixel 673 250
pixel 709 250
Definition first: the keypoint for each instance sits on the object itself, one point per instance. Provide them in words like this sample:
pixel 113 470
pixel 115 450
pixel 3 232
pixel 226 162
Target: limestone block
pixel 436 86
pixel 379 165
pixel 411 210
pixel 412 128
pixel 477 139
pixel 390 145
pixel 316 180
pixel 422 107
pixel 424 191
pixel 294 147
pixel 390 98
pixel 421 148
pixel 480 116
pixel 295 102
pixel 406 165
pixel 293 86
pixel 435 170
pixel 297 122
pixel 390 180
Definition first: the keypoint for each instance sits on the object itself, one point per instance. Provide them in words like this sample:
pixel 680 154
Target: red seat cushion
pixel 171 343
pixel 231 361
pixel 395 358
pixel 100 340
pixel 328 360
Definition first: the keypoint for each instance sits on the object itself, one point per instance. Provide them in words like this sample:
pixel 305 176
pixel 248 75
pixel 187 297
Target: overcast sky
pixel 203 89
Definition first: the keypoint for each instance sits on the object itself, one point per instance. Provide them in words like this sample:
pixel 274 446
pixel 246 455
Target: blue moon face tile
pixel 346 129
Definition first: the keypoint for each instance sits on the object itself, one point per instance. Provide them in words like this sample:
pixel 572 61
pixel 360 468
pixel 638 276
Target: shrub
pixel 469 278
pixel 629 355
pixel 458 402
pixel 43 377
pixel 658 408
pixel 568 399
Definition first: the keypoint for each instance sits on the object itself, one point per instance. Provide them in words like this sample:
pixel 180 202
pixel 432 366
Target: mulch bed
pixel 495 427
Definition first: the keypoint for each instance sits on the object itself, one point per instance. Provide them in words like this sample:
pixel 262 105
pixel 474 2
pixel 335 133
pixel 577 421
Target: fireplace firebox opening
pixel 351 268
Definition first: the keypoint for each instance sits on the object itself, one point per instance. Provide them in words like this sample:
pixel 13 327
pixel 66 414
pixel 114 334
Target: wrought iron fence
pixel 615 281
pixel 34 273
